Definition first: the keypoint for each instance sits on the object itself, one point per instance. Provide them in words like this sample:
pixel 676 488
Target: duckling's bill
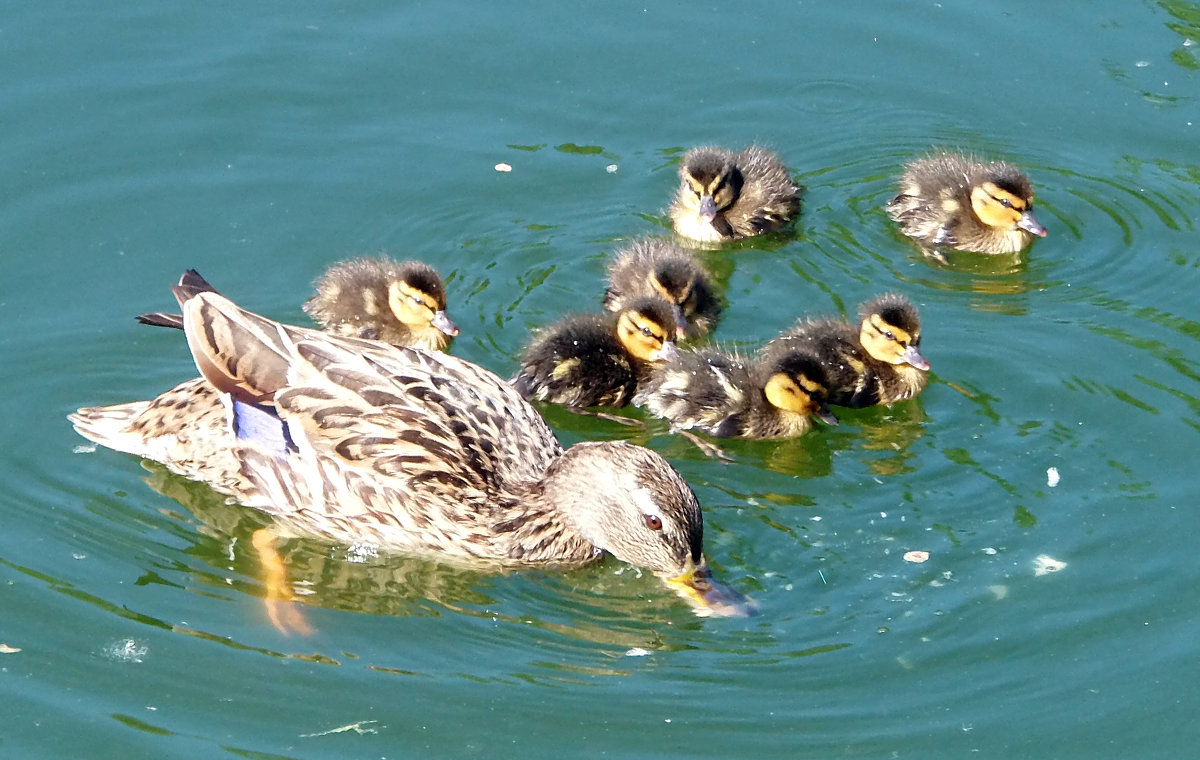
pixel 442 321
pixel 709 597
pixel 1030 224
pixel 913 357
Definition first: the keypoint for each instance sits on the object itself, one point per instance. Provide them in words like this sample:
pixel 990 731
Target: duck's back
pixel 769 197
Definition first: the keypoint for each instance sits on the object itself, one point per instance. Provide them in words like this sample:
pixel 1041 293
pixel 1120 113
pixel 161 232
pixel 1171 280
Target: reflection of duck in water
pixel 725 195
pixel 360 442
pixel 948 200
pixel 655 267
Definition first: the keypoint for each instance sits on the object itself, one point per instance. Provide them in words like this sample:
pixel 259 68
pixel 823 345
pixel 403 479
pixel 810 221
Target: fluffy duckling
pixel 656 267
pixel 595 361
pixel 876 363
pixel 399 303
pixel 725 195
pixel 358 441
pixel 728 396
pixel 949 200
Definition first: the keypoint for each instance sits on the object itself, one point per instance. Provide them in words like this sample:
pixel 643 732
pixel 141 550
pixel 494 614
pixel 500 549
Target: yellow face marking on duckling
pixel 996 207
pixel 642 337
pixel 792 393
pixel 411 306
pixel 370 302
pixel 884 341
pixel 564 368
pixel 719 189
pixel 682 295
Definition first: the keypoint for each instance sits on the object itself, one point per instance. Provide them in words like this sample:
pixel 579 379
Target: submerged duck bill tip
pixel 709 597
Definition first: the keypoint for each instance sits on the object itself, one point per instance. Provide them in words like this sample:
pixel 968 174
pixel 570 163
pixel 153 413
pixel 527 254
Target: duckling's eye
pixel 1005 202
pixel 653 522
pixel 647 332
pixel 889 335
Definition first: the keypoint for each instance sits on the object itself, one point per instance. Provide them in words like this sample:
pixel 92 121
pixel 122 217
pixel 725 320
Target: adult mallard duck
pixel 729 396
pixel 400 303
pixel 725 195
pixel 656 267
pixel 588 360
pixel 403 304
pixel 876 362
pixel 356 441
pixel 950 200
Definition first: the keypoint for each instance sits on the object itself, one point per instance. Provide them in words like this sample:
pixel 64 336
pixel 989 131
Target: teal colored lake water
pixel 261 143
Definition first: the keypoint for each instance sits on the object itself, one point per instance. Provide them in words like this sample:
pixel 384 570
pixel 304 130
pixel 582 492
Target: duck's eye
pixel 1006 203
pixel 889 335
pixel 653 522
pixel 647 332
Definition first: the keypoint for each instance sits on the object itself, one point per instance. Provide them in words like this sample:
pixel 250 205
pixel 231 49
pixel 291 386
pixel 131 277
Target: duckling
pixel 725 195
pixel 878 362
pixel 656 267
pixel 595 361
pixel 348 301
pixel 728 396
pixel 357 441
pixel 950 200
pixel 399 303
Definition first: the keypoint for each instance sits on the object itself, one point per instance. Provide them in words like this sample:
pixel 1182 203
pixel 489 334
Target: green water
pixel 258 144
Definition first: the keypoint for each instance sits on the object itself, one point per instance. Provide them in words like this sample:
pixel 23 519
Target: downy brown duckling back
pixel 591 360
pixel 656 267
pixel 950 200
pixel 402 303
pixel 725 195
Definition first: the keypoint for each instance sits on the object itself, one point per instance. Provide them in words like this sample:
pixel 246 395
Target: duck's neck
pixel 536 528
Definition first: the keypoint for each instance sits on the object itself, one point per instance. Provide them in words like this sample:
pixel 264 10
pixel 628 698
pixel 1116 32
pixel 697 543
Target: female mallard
pixel 728 396
pixel 725 195
pixel 591 360
pixel 878 362
pixel 357 441
pixel 400 303
pixel 949 200
pixel 656 267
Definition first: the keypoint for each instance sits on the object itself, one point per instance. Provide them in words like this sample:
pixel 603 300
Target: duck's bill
pixel 708 208
pixel 826 416
pixel 708 597
pixel 913 356
pixel 443 322
pixel 1030 224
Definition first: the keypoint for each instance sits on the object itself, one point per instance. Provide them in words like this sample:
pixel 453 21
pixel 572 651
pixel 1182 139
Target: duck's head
pixel 679 281
pixel 417 298
pixel 891 331
pixel 711 182
pixel 640 510
pixel 647 329
pixel 796 382
pixel 1004 201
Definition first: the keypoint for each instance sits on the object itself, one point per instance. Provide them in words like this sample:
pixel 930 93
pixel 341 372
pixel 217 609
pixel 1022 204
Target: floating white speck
pixel 611 168
pixel 84 448
pixel 6 649
pixel 1052 476
pixel 637 652
pixel 916 556
pixel 1044 564
pixel 1142 64
pixel 999 591
pixel 125 650
pixel 989 550
pixel 503 167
